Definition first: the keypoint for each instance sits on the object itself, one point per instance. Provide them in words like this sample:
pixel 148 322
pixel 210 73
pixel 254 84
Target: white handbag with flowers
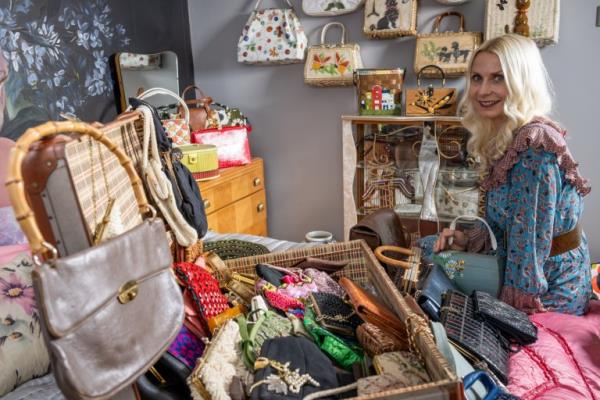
pixel 272 36
pixel 330 8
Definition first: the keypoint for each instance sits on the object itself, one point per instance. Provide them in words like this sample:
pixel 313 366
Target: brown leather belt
pixel 566 241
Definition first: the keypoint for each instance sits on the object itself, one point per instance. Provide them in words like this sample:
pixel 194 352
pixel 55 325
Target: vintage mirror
pixel 144 71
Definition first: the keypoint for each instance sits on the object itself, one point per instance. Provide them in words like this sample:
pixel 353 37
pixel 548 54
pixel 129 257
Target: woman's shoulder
pixel 540 140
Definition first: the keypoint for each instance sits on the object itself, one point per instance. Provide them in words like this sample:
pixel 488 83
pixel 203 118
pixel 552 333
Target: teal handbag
pixel 473 271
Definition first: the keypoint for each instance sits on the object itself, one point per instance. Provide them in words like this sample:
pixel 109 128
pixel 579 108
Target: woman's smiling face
pixel 488 89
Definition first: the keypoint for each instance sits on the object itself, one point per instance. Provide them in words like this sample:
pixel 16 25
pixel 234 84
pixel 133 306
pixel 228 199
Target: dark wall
pixel 57 55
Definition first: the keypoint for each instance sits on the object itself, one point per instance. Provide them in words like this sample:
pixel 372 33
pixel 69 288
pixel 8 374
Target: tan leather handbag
pixel 199 108
pixel 108 312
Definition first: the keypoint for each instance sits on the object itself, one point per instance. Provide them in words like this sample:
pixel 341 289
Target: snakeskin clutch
pixel 513 323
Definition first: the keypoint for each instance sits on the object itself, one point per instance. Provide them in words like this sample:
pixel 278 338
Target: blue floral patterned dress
pixel 535 193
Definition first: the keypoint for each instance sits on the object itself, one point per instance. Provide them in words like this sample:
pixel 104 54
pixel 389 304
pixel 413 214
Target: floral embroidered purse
pixel 332 64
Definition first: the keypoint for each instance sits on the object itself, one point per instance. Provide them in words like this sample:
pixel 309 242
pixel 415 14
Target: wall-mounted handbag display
pixel 88 299
pixel 542 19
pixel 198 108
pixel 272 36
pixel 330 8
pixel 379 91
pixel 332 64
pixel 385 19
pixel 451 51
pixel 473 271
pixel 431 100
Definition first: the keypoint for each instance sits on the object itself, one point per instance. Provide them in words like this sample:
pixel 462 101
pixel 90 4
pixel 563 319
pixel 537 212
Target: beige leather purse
pixel 108 312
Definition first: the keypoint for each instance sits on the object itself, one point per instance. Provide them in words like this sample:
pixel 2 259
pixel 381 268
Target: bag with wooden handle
pixel 107 312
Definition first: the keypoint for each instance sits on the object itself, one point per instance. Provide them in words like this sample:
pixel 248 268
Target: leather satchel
pixel 107 312
pixel 199 108
pixel 381 228
pixel 371 310
pixel 432 288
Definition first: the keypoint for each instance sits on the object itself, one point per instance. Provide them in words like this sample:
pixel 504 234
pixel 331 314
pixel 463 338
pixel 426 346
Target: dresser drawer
pixel 233 184
pixel 248 215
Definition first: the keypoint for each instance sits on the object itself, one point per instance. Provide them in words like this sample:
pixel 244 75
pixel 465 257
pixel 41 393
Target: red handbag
pixel 204 289
pixel 233 148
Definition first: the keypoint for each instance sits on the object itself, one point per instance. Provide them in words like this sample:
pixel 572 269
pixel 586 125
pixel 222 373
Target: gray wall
pixel 297 128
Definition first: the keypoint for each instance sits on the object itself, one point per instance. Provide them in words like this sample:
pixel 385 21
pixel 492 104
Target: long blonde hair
pixel 529 95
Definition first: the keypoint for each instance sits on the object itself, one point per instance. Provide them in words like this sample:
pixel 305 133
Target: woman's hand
pixel 459 242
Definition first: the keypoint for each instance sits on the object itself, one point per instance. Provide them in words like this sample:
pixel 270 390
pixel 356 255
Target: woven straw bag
pixel 332 64
pixel 386 20
pixel 542 18
pixel 451 51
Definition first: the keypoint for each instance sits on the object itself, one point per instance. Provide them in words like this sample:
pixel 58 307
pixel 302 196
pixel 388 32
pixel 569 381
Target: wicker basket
pixel 364 269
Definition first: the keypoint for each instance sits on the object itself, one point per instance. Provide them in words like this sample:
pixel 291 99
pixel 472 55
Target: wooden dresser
pixel 235 202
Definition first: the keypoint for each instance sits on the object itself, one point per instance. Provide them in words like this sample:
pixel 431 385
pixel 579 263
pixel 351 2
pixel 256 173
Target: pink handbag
pixel 233 148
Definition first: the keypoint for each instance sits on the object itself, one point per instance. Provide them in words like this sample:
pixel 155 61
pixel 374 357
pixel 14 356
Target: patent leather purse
pixel 473 271
pixel 108 312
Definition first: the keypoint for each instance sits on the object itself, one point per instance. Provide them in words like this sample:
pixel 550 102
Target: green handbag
pixel 473 271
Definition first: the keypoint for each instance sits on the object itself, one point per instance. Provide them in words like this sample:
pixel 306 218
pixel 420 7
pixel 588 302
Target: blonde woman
pixel 534 189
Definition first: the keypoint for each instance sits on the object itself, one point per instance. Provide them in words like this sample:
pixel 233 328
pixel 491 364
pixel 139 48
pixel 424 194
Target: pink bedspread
pixel 564 363
pixel 7 253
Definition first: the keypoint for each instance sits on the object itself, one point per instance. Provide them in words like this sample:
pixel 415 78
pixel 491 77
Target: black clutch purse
pixel 334 314
pixel 513 323
pixel 269 274
pixel 480 340
pixel 431 289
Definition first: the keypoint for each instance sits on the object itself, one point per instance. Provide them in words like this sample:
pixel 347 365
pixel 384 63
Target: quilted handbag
pixel 513 323
pixel 385 19
pixel 473 271
pixel 542 19
pixel 451 51
pixel 329 8
pixel 332 64
pixel 272 36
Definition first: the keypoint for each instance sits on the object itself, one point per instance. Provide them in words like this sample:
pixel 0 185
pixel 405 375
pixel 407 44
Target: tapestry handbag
pixel 537 19
pixel 451 51
pixel 478 340
pixel 375 341
pixel 198 109
pixel 89 299
pixel 473 271
pixel 330 8
pixel 404 366
pixel 334 314
pixel 291 368
pixel 332 64
pixel 431 100
pixel 385 19
pixel 272 36
pixel 513 323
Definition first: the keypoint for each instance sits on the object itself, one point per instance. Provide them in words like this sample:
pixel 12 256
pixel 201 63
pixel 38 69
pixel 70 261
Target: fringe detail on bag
pixel 539 133
pixel 526 302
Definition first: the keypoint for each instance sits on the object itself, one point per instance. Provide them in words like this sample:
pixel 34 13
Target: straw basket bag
pixel 386 20
pixel 451 51
pixel 332 64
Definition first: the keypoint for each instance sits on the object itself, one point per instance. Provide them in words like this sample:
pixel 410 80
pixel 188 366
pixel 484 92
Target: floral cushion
pixel 11 232
pixel 23 354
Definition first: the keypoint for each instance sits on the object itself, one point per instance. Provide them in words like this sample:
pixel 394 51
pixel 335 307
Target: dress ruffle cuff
pixel 526 302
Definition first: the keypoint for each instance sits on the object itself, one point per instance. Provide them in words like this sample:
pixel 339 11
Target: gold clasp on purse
pixel 128 292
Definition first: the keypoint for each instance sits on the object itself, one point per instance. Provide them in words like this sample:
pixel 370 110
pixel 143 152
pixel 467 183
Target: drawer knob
pixel 207 204
pixel 256 181
pixel 260 207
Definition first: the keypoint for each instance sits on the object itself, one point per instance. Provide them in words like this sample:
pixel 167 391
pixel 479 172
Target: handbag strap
pixel 390 261
pixel 474 218
pixel 329 25
pixel 167 92
pixel 438 20
pixel 440 70
pixel 16 186
pixel 187 88
pixel 259 1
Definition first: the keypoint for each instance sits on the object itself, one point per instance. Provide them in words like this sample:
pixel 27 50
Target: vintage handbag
pixel 332 64
pixel 324 283
pixel 382 227
pixel 541 19
pixel 233 148
pixel 327 266
pixel 371 310
pixel 375 341
pixel 457 190
pixel 272 36
pixel 451 51
pixel 431 290
pixel 404 366
pixel 379 91
pixel 477 338
pixel 513 323
pixel 88 299
pixel 386 19
pixel 198 108
pixel 291 368
pixel 330 8
pixel 201 159
pixel 334 314
pixel 432 100
pixel 268 325
pixel 473 271
pixel 177 127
